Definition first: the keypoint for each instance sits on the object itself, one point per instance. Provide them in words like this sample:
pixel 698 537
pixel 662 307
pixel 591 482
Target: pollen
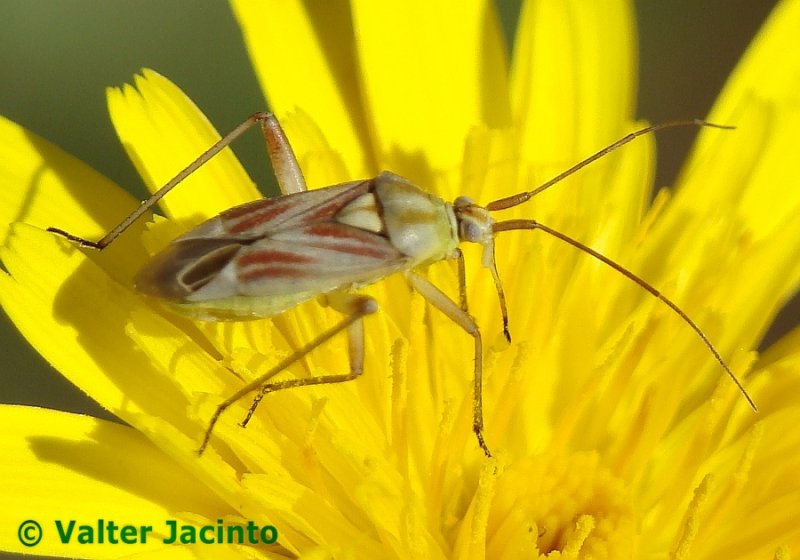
pixel 561 506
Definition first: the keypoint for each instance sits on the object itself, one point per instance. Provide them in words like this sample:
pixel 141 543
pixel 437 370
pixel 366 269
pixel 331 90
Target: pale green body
pixel 377 227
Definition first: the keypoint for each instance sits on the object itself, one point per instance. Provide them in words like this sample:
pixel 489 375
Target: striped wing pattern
pixel 274 247
pixel 319 257
pixel 265 217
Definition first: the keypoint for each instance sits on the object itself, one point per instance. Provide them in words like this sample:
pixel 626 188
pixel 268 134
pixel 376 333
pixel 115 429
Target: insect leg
pixel 275 145
pixel 357 307
pixel 459 315
pixel 347 304
pixel 284 162
pixel 519 224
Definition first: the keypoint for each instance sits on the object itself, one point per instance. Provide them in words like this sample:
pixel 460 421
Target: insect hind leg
pixel 284 162
pixel 356 307
pixel 350 305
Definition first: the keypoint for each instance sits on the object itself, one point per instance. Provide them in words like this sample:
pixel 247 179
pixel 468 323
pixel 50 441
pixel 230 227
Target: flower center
pixel 566 504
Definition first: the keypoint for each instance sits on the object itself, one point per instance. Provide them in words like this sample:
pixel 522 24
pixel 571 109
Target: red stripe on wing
pixel 318 206
pixel 273 272
pixel 348 239
pixel 252 216
pixel 317 259
pixel 271 263
pixel 266 256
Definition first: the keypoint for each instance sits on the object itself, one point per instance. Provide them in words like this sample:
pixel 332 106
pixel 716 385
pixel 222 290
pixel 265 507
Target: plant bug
pixel 262 258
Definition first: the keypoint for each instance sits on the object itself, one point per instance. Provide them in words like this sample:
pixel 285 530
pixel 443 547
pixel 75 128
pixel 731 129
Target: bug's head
pixel 476 225
pixel 474 221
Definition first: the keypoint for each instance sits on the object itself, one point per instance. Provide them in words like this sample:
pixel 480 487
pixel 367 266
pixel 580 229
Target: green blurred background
pixel 56 59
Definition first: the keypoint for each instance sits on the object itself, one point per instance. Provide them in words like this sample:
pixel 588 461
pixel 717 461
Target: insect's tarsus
pixel 75 239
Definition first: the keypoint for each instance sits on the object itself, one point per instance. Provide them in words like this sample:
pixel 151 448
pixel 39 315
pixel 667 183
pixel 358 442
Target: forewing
pixel 287 245
pixel 320 258
pixel 264 217
pixel 185 267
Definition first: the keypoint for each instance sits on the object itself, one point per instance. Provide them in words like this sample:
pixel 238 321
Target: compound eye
pixel 470 231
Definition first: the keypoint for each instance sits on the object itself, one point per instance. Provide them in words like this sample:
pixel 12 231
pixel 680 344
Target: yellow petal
pixel 430 72
pixel 75 316
pixel 163 132
pixel 64 467
pixel 573 78
pixel 43 186
pixel 305 58
pixel 80 321
pixel 746 168
pixel 739 197
pixel 573 89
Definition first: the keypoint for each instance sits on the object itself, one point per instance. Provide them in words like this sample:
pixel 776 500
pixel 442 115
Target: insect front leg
pixel 460 316
pixel 356 307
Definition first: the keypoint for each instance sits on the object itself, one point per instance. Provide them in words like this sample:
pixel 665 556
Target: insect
pixel 262 258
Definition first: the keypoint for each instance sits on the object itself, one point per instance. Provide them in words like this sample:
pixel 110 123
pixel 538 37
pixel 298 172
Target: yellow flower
pixel 615 432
